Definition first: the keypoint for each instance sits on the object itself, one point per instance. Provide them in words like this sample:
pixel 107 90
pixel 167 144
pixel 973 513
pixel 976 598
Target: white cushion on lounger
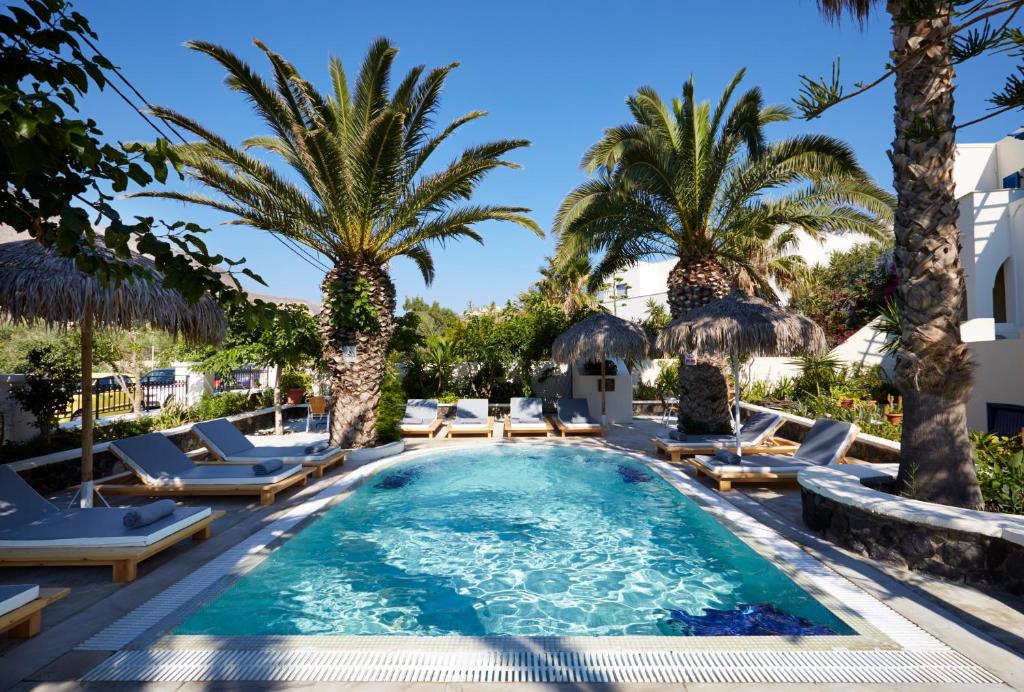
pixel 415 427
pixel 759 463
pixel 288 455
pixel 16 595
pixel 228 443
pixel 753 432
pixel 213 474
pixel 470 423
pixel 162 465
pixel 99 527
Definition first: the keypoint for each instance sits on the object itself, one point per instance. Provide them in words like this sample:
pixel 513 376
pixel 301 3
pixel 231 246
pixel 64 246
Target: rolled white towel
pixel 148 514
pixel 267 467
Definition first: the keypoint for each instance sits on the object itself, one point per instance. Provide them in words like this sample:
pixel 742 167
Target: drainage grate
pixel 173 665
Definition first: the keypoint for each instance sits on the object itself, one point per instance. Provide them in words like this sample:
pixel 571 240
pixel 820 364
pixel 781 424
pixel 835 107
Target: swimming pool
pixel 523 540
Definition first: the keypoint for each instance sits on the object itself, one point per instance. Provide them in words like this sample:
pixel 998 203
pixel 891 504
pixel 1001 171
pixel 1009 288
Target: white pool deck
pixel 914 632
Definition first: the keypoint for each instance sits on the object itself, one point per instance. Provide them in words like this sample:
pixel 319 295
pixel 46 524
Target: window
pixel 1004 310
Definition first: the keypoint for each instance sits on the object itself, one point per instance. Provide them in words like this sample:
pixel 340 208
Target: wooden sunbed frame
pixel 565 430
pixel 26 621
pixel 532 429
pixel 487 431
pixel 319 468
pixel 675 453
pixel 725 479
pixel 123 559
pixel 429 432
pixel 267 493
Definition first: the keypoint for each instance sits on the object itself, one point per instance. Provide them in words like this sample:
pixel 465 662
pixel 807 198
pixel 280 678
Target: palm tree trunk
pixel 355 383
pixel 694 281
pixel 933 367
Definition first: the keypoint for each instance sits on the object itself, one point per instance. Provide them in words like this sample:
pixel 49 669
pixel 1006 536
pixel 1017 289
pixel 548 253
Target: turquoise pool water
pixel 515 540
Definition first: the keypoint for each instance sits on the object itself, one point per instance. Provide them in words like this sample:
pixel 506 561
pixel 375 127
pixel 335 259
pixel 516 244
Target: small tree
pixel 51 381
pixel 286 338
pixel 127 351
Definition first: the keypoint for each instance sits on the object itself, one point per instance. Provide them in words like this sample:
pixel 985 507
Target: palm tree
pixel 933 366
pixel 439 359
pixel 567 282
pixel 688 181
pixel 359 195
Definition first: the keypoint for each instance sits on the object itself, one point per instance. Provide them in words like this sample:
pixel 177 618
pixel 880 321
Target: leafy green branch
pixel 975 35
pixel 353 310
pixel 57 176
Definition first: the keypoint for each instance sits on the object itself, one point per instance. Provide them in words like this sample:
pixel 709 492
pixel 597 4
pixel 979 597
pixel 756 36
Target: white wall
pixel 975 168
pixel 649 280
pixel 998 378
pixel 618 404
pixel 863 347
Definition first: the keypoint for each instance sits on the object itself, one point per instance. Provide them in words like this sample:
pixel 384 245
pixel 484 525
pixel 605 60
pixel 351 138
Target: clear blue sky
pixel 556 73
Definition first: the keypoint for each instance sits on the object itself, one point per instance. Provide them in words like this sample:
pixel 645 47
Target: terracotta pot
pixel 894 418
pixel 295 395
pixel 846 403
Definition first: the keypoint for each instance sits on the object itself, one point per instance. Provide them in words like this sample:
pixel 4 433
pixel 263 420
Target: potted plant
pixel 894 410
pixel 843 396
pixel 294 385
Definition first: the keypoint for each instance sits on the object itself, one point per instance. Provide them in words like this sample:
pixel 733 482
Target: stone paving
pixel 987 627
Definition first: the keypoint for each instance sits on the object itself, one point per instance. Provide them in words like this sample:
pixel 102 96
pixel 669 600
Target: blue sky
pixel 556 73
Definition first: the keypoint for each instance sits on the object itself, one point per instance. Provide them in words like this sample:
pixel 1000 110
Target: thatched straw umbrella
pixel 599 337
pixel 37 284
pixel 742 325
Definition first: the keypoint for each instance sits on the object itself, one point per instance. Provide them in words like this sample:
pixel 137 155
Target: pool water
pixel 515 540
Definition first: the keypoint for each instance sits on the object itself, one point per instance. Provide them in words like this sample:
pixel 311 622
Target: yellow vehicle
pixel 112 394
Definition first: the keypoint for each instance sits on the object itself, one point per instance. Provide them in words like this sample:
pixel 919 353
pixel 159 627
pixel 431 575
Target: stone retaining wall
pixel 954 555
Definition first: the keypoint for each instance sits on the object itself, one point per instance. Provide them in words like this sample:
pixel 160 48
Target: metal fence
pixel 242 378
pixel 114 399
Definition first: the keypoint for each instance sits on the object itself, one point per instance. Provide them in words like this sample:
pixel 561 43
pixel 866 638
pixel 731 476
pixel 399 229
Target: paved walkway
pixel 988 627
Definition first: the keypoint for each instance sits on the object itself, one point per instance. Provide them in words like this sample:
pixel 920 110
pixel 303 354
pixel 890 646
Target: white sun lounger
pixel 163 469
pixel 227 443
pixel 471 418
pixel 826 443
pixel 758 431
pixel 573 418
pixel 21 608
pixel 526 417
pixel 420 418
pixel 34 531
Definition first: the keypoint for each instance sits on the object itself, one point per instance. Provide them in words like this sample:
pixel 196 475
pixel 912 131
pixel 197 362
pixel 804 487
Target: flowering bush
pixel 849 292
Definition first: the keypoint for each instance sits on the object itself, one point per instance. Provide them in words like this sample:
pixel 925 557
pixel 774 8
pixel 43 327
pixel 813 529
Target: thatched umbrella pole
pixel 87 479
pixel 604 385
pixel 37 284
pixel 742 325
pixel 597 337
pixel 736 396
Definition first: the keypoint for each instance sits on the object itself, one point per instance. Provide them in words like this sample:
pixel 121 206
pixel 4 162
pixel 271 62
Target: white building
pixel 648 280
pixel 988 188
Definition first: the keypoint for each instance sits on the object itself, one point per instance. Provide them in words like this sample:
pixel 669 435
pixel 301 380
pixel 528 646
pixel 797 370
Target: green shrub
pixel 218 405
pixel 999 463
pixel 292 379
pixel 665 385
pixel 391 408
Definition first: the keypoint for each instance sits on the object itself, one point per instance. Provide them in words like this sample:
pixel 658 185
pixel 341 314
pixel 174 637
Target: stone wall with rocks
pixel 953 555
